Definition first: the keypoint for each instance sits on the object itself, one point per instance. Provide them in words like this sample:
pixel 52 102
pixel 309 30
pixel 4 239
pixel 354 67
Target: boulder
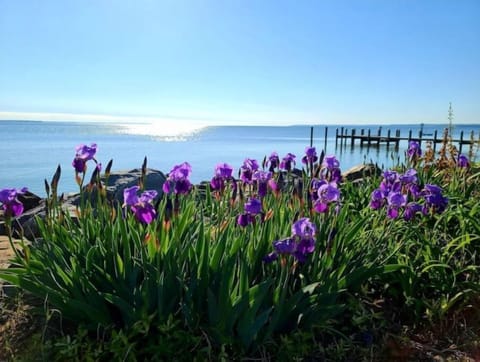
pixel 31 205
pixel 119 181
pixel 26 225
pixel 29 200
pixel 360 172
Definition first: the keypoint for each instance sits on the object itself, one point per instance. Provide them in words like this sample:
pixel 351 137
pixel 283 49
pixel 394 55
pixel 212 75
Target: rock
pixel 34 206
pixel 29 200
pixel 26 224
pixel 119 181
pixel 360 172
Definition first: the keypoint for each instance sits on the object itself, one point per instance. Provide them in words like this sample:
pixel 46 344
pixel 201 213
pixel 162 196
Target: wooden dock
pixel 375 139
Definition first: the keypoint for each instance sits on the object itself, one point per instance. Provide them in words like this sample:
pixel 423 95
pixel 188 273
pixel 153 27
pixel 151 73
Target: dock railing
pixel 375 139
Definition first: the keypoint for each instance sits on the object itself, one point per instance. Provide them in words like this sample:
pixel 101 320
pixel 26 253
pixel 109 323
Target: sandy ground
pixel 6 252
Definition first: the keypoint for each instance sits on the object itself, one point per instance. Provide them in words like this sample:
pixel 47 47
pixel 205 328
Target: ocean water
pixel 31 150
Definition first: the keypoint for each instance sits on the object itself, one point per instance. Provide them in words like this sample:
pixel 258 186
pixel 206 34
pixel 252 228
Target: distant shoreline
pixel 356 125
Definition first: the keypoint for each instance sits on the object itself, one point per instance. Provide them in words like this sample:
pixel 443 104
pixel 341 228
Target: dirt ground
pixel 6 252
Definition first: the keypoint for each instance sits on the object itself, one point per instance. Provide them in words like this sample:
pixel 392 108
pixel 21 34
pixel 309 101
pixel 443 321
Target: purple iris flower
pixel 409 177
pixel 432 189
pixel 327 193
pixel 331 162
pixel 180 172
pixel 270 257
pixel 253 206
pixel 217 183
pixel 130 196
pixel 178 179
pixel 315 184
pixel 86 152
pixel 390 176
pixel 141 206
pixel 182 187
pixel 247 170
pixel 304 228
pixel 395 201
pixel 331 169
pixel 304 246
pixel 284 246
pixel 273 161
pixel 411 209
pixel 223 170
pixel 83 153
pixel 288 162
pixel 262 178
pixel 223 173
pixel 390 183
pixel 79 165
pixel 301 243
pixel 244 219
pixel 377 199
pixel 304 232
pixel 10 203
pixel 414 150
pixel 392 212
pixel 434 200
pixel 144 213
pixel 336 175
pixel 148 196
pixel 463 161
pixel 415 191
pixel 310 155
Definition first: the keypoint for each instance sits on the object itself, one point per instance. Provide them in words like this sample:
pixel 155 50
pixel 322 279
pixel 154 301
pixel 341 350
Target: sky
pixel 269 62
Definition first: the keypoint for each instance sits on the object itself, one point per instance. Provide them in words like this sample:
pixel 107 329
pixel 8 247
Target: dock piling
pixel 376 139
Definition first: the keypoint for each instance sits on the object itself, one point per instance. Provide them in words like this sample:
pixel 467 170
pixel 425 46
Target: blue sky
pixel 241 62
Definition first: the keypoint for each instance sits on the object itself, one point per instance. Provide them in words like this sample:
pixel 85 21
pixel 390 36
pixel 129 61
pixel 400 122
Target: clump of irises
pixel 324 189
pixel 401 194
pixel 299 244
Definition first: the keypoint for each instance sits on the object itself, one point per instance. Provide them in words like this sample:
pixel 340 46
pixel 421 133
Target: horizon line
pixel 198 122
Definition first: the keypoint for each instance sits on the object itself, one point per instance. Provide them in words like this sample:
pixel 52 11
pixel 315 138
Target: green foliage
pixel 192 284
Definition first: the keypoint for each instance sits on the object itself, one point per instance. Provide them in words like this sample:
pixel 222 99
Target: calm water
pixel 31 151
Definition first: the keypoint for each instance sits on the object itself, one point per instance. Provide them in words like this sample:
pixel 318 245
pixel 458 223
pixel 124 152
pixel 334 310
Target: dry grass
pixel 17 326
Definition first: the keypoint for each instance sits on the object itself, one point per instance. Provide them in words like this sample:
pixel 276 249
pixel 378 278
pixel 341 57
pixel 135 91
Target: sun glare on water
pixel 173 130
